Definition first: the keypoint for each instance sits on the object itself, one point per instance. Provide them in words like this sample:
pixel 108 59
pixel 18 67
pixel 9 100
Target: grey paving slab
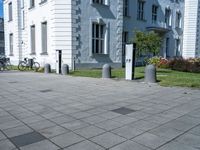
pixel 42 124
pixel 17 131
pixel 80 115
pixel 89 131
pixel 109 115
pixel 85 145
pixel 62 119
pixel 125 119
pixel 66 139
pixel 10 124
pixel 150 140
pixel 144 125
pixel 166 132
pixel 6 145
pixel 27 139
pixel 189 139
pixel 74 125
pixel 182 126
pixel 127 132
pixel 43 145
pixel 129 145
pixel 109 125
pixel 32 119
pixel 94 119
pixel 108 140
pixel 53 131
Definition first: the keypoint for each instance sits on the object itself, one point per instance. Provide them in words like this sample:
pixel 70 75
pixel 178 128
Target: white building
pixel 37 28
pixel 191 34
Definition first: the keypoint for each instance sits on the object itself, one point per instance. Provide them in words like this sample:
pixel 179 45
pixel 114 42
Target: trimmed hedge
pixel 179 64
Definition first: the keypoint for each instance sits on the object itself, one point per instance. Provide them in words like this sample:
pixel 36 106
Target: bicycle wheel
pixel 8 66
pixel 22 66
pixel 36 66
pixel 1 66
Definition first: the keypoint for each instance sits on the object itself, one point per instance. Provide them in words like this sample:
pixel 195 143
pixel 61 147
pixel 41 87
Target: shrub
pixel 179 64
pixel 186 65
pixel 154 60
pixel 164 63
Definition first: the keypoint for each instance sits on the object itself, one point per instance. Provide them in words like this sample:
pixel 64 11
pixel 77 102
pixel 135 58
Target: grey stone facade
pixel 111 15
pixel 117 23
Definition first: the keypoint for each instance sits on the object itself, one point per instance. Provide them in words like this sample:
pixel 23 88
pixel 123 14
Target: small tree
pixel 147 42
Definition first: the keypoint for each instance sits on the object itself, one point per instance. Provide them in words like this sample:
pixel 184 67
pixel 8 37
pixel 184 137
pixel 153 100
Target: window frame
pixel 154 12
pixel 98 36
pixel 141 10
pixel 126 8
pixel 33 41
pixel 43 1
pixel 11 39
pixel 168 17
pixel 167 43
pixel 100 2
pixel 31 4
pixel 44 43
pixel 178 47
pixel 178 20
pixel 10 11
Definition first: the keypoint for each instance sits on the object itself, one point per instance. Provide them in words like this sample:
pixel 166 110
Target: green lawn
pixel 165 77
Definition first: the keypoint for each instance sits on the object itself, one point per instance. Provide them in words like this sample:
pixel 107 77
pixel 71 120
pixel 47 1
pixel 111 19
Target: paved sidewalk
pixel 53 112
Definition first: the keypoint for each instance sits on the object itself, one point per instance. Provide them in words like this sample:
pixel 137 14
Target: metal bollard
pixel 106 71
pixel 47 68
pixel 65 69
pixel 150 74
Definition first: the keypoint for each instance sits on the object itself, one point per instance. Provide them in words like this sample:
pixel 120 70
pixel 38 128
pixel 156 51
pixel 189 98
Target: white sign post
pixel 130 61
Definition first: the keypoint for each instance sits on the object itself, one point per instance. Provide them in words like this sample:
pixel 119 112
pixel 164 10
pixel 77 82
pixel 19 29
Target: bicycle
pixel 5 63
pixel 30 64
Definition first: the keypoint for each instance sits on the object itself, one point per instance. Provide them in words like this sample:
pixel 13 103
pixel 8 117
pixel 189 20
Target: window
pixel 178 20
pixel 11 43
pixel 168 17
pixel 22 3
pixel 98 38
pixel 43 1
pixel 10 15
pixel 98 1
pixel 154 13
pixel 32 3
pixel 126 10
pixel 140 10
pixel 44 38
pixel 22 19
pixel 33 39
